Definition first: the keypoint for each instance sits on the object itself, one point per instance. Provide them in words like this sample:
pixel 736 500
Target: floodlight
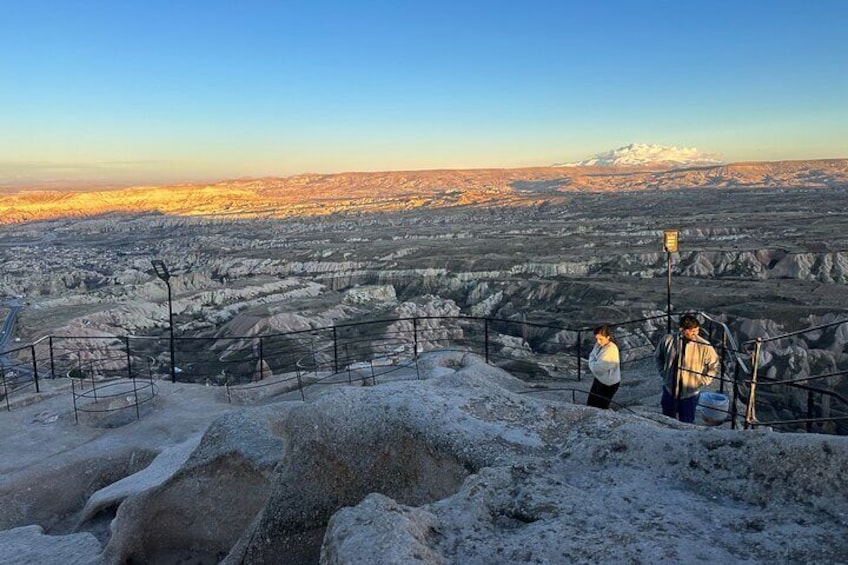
pixel 161 269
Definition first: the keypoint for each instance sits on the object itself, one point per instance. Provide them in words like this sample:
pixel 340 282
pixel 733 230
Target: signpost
pixel 670 238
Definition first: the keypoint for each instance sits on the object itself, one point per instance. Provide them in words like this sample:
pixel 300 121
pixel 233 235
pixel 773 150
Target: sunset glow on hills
pixel 308 195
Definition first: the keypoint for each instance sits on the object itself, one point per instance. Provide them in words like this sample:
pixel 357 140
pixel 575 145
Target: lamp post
pixel 669 246
pixel 162 273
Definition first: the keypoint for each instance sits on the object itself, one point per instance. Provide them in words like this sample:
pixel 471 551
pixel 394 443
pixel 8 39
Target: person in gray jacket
pixel 686 362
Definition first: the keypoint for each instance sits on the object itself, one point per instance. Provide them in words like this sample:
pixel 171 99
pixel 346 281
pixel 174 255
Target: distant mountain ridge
pixel 323 194
pixel 646 155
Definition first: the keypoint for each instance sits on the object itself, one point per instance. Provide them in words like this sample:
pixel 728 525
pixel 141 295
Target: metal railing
pixel 525 348
pixel 815 385
pixel 545 349
pixel 366 350
pixel 102 399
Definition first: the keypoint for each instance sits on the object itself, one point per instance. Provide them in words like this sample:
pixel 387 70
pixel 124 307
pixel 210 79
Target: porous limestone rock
pixel 29 545
pixel 205 504
pixel 471 471
pixel 823 267
pixel 371 293
pixel 468 465
pixel 160 469
pixel 54 495
pixel 618 492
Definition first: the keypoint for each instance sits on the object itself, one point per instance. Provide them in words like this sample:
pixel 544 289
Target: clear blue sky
pixel 176 90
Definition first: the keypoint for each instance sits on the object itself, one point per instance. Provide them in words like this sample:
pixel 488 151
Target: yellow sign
pixel 670 241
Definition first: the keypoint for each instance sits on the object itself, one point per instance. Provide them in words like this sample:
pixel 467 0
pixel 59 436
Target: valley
pixel 572 258
pixel 765 261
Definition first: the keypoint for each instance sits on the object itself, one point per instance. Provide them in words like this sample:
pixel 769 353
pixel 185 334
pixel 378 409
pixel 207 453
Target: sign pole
pixel 670 239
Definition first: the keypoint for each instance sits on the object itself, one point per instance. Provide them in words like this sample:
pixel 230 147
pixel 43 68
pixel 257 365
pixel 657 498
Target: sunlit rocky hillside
pixel 315 194
pixel 763 248
pixel 461 461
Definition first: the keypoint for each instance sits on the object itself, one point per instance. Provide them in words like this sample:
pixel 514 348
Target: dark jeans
pixel 601 395
pixel 681 408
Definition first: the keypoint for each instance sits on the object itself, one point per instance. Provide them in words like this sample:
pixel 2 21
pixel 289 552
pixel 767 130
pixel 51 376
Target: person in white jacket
pixel 604 362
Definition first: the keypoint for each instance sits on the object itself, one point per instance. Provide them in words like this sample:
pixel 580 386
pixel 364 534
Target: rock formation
pixel 466 465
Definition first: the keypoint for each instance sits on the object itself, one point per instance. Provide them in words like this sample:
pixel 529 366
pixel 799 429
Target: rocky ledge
pixel 461 466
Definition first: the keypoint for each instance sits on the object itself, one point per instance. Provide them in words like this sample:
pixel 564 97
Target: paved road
pixel 7 330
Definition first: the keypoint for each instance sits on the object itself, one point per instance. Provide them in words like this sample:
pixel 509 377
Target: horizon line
pixel 33 184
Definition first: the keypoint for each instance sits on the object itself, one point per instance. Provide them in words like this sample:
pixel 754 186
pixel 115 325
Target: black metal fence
pixel 19 370
pixel 799 380
pixel 760 376
pixel 526 348
pixel 109 402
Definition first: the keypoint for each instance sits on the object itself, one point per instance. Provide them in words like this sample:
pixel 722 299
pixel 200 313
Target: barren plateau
pixel 762 249
pixel 454 463
pixel 760 240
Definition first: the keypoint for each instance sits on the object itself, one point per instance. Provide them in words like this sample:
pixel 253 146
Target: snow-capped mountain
pixel 641 155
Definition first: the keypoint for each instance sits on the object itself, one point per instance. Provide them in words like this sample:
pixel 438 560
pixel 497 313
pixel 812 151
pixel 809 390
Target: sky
pixel 184 90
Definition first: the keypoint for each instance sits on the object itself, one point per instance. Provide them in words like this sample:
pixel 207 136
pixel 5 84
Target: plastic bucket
pixel 714 407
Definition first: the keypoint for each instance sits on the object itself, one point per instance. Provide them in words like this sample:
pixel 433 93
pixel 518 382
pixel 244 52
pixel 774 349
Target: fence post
pixel 262 361
pixel 579 355
pixel 93 384
pixel 335 350
pixel 34 368
pixel 486 337
pixel 135 386
pixel 750 414
pixel 74 395
pixel 810 407
pixel 52 363
pixel 415 335
pixel 300 385
pixel 129 365
pixel 347 361
pixel 5 390
pixel 721 360
pixel 733 413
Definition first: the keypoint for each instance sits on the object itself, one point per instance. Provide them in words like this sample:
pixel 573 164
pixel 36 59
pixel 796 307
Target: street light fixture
pixel 670 238
pixel 162 273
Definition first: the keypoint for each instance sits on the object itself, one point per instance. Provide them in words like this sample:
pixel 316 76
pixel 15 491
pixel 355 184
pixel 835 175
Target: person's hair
pixel 688 322
pixel 605 331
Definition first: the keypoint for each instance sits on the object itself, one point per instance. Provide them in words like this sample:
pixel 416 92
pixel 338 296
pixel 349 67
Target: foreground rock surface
pixel 464 466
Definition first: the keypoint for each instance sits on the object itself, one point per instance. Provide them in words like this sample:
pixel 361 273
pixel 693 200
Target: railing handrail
pixel 510 345
pixel 337 326
pixel 795 382
pixel 733 345
pixel 752 341
pixel 766 381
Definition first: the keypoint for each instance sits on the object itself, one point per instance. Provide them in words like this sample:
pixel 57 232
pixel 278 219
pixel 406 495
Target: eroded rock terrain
pixel 757 256
pixel 457 463
pixel 766 253
pixel 465 465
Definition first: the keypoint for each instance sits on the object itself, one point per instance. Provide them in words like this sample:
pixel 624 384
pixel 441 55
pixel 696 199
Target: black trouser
pixel 601 395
